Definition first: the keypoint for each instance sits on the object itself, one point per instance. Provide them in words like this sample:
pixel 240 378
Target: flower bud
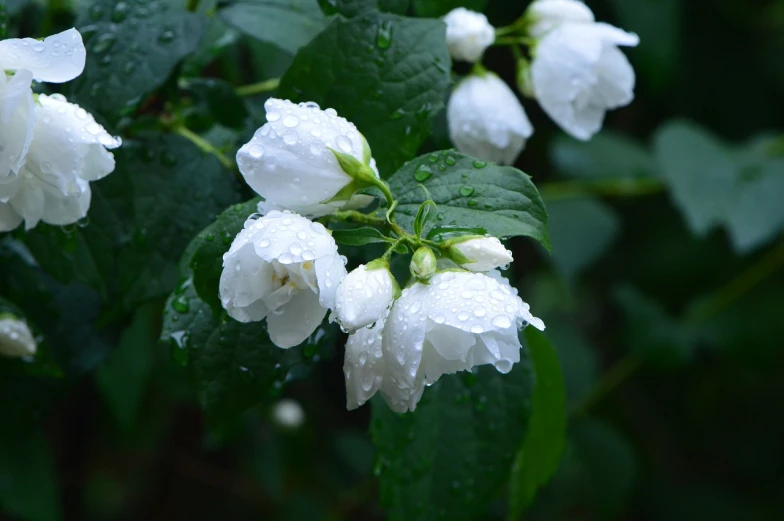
pixel 486 120
pixel 423 263
pixel 291 160
pixel 364 296
pixel 468 34
pixel 480 254
pixel 16 339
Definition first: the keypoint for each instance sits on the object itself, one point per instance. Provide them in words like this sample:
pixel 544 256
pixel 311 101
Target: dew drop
pixel 501 321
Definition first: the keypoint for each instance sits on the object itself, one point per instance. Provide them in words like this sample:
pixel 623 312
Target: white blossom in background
pixel 288 413
pixel 545 15
pixel 49 149
pixel 364 297
pixel 481 253
pixel 468 34
pixel 289 162
pixel 16 339
pixel 578 72
pixel 285 268
pixel 486 120
pixel 457 321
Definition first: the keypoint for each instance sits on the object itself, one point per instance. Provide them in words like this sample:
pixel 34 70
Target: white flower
pixel 284 268
pixel 68 150
pixel 457 321
pixel 16 339
pixel 364 297
pixel 56 59
pixel 578 72
pixel 363 365
pixel 289 162
pixel 468 34
pixel 288 414
pixel 481 253
pixel 365 370
pixel 546 15
pixel 486 120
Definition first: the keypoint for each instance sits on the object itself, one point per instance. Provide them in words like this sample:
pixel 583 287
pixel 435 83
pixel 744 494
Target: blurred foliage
pixel 662 296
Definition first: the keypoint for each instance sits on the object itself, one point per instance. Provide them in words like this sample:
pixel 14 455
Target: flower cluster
pixel 50 149
pixel 453 313
pixel 574 69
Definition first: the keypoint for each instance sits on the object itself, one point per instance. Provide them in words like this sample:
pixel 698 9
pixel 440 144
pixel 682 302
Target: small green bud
pixel 423 264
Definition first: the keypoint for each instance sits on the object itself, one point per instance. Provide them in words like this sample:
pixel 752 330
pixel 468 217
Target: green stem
pixel 737 287
pixel 605 187
pixel 610 380
pixel 203 144
pixel 719 300
pixel 358 217
pixel 258 88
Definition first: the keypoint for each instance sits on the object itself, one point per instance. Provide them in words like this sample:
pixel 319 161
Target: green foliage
pixel 132 49
pixel 538 457
pixel 385 73
pixel 355 7
pixel 651 333
pixel 607 155
pixel 715 184
pixel 434 8
pixel 581 230
pixel 289 24
pixel 449 458
pixel 471 194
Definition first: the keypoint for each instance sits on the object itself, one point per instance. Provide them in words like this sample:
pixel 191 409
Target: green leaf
pixel 715 184
pixel 387 74
pixel 650 332
pixel 28 482
pixel 359 236
pixel 288 24
pixel 579 358
pixel 232 366
pixel 537 460
pixel 471 194
pixel 123 380
pixel 131 50
pixel 351 8
pixel 205 253
pixel 451 457
pixel 221 100
pixel 605 156
pixel 436 8
pixel 581 230
pixel 422 215
pixel 141 218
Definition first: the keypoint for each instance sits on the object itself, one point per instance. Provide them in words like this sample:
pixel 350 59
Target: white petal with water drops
pixel 56 59
pixel 282 267
pixel 289 163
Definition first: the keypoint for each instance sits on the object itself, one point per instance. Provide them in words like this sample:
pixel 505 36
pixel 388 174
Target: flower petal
pixel 56 59
pixel 9 218
pixel 363 365
pixel 17 120
pixel 62 209
pixel 293 323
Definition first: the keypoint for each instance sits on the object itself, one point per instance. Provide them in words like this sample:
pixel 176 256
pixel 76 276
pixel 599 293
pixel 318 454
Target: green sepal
pixel 360 172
